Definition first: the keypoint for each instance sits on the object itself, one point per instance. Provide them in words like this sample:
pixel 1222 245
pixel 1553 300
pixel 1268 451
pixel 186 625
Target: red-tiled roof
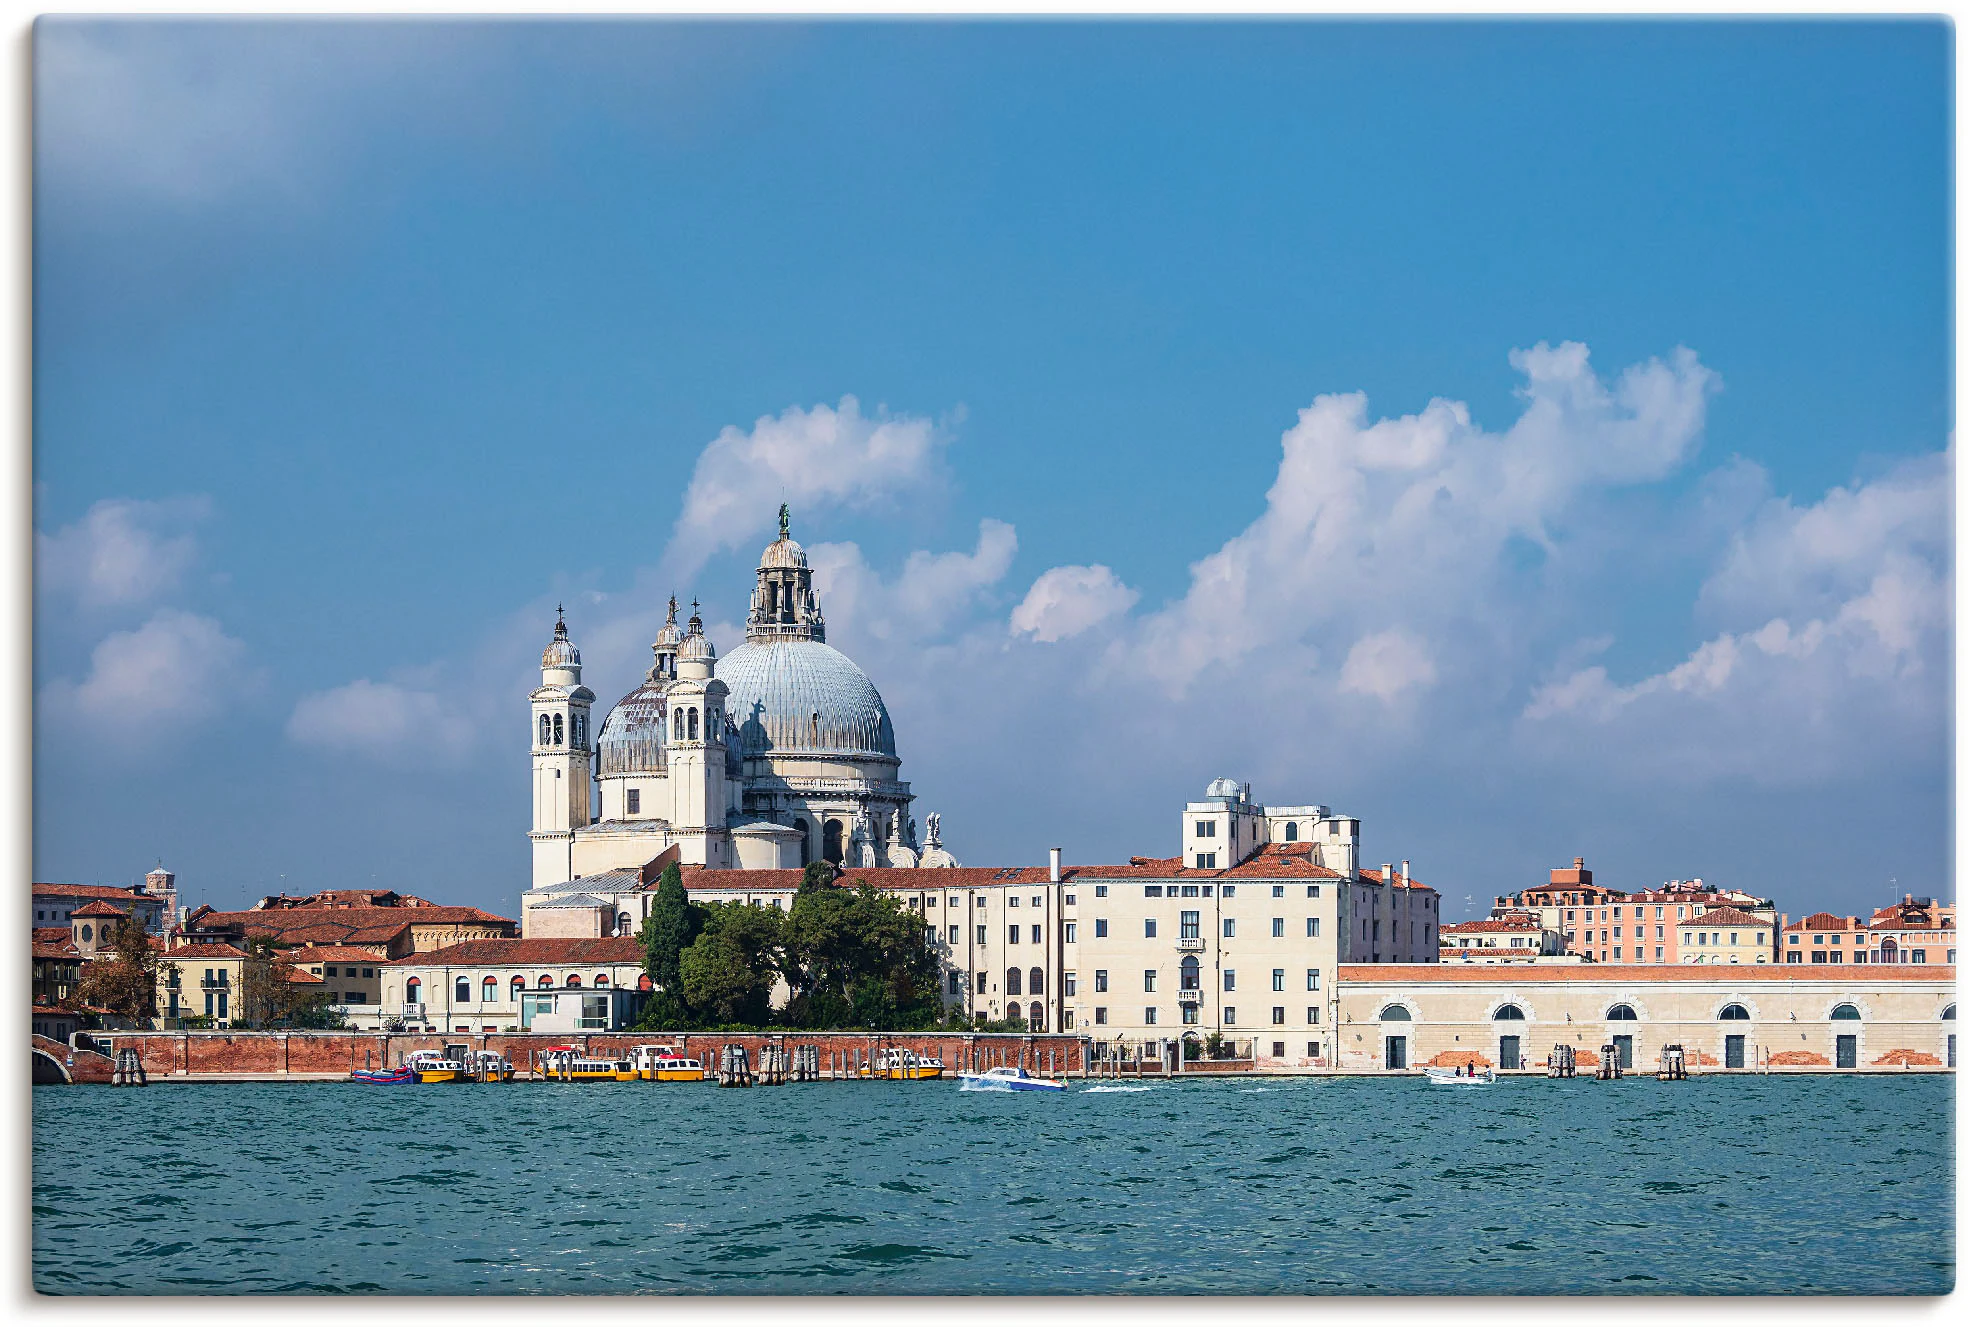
pixel 344 898
pixel 99 909
pixel 1275 861
pixel 543 950
pixel 337 954
pixel 52 935
pixel 1725 917
pixel 65 949
pixel 1530 974
pixel 302 977
pixel 359 926
pixel 1821 921
pixel 1470 928
pixel 200 950
pixel 111 892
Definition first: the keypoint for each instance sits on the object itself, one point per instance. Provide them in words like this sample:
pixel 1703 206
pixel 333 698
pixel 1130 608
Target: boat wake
pixel 1116 1087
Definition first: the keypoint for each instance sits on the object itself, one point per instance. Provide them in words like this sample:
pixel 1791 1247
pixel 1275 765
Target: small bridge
pixel 58 1062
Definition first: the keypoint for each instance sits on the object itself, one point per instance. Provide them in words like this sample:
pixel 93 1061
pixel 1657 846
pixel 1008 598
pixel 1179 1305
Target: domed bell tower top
pixel 696 657
pixel 560 662
pixel 783 605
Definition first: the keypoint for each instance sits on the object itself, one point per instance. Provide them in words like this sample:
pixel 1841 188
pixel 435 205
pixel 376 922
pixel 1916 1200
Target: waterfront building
pixel 1748 1016
pixel 1726 935
pixel 396 924
pixel 529 985
pixel 1613 926
pixel 57 966
pixel 779 753
pixel 1914 930
pixel 1513 937
pixel 154 902
pixel 200 979
pixel 1570 903
pixel 350 978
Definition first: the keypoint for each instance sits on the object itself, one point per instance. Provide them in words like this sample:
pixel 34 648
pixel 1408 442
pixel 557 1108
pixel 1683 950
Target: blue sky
pixel 359 346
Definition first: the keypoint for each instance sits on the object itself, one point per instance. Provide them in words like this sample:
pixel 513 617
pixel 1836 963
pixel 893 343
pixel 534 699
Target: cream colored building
pixel 557 985
pixel 1768 1016
pixel 1727 935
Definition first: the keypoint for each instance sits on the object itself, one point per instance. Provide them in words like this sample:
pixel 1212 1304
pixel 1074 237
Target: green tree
pixel 856 957
pixel 125 983
pixel 730 968
pixel 270 997
pixel 672 924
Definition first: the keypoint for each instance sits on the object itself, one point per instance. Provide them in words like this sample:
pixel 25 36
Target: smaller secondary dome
pixel 1223 788
pixel 633 738
pixel 670 636
pixel 560 651
pixel 783 554
pixel 696 645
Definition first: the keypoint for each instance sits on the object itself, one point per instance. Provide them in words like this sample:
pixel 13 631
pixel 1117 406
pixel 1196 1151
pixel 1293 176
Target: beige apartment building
pixel 1726 935
pixel 1749 1016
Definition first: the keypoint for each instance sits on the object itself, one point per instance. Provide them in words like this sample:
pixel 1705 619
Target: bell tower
pixel 784 606
pixel 562 766
pixel 698 765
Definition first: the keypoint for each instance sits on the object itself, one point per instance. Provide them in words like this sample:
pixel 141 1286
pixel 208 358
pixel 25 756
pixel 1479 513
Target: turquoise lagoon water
pixel 1287 1186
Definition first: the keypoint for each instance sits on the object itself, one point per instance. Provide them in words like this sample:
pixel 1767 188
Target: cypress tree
pixel 670 927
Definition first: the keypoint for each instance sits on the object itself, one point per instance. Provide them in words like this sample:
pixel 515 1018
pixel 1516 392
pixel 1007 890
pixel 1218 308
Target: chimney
pixel 1578 863
pixel 1404 870
pixel 1055 866
pixel 1387 873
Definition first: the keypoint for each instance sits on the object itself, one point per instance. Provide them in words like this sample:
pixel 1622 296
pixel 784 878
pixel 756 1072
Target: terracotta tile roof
pixel 522 953
pixel 1724 917
pixel 302 977
pixel 344 898
pixel 1471 928
pixel 1530 974
pixel 99 909
pixel 65 949
pixel 1400 881
pixel 110 892
pixel 336 954
pixel 52 935
pixel 1824 921
pixel 200 950
pixel 1274 862
pixel 340 925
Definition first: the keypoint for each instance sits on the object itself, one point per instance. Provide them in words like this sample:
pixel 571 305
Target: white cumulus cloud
pixel 832 456
pixel 176 668
pixel 931 591
pixel 1068 600
pixel 381 719
pixel 1386 664
pixel 123 551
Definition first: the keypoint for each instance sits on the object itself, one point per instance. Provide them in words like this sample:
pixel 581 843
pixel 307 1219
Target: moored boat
pixel 488 1067
pixel 662 1064
pixel 1008 1078
pixel 433 1067
pixel 564 1064
pixel 382 1077
pixel 899 1063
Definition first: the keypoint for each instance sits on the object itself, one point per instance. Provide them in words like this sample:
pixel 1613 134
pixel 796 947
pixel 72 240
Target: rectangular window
pixel 1817 939
pixel 1072 932
pixel 1100 1015
pixel 983 984
pixel 222 1005
pixel 1920 956
pixel 955 935
pixel 1229 979
pixel 1312 1049
pixel 1277 891
pixel 1205 861
pixel 1616 933
pixel 1071 899
pixel 1148 979
pixel 1066 1019
pixel 1205 829
pixel 1148 1016
pixel 329 971
pixel 1011 938
pixel 1277 979
pixel 1229 1017
pixel 1229 928
pixel 1148 929
pixel 1072 984
pixel 1794 939
pixel 1277 1015
pixel 1151 891
pixel 1311 928
pixel 980 935
pixel 1229 891
pixel 1100 979
pixel 1036 937
pixel 1311 891
pixel 1100 928
pixel 1311 979
pixel 1311 1013
pixel 1100 891
pixel 635 801
pixel 1011 900
pixel 1192 925
pixel 1660 953
pixel 1277 928
pixel 1191 1014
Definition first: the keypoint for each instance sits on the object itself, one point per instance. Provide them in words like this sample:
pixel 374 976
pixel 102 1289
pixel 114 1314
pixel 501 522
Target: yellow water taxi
pixel 662 1064
pixel 898 1063
pixel 432 1067
pixel 488 1067
pixel 567 1065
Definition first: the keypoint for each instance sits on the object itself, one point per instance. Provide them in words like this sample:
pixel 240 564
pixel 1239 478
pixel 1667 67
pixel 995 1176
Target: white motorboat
pixel 1008 1078
pixel 1470 1077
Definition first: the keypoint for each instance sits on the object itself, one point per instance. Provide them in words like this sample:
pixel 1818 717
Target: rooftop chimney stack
pixel 1387 873
pixel 1055 866
pixel 1404 870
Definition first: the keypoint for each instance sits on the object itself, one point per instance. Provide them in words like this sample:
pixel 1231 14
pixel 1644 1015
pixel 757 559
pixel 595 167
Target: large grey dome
pixel 803 696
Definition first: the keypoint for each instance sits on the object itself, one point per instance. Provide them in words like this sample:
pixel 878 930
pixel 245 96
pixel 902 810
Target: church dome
pixel 633 737
pixel 1223 788
pixel 696 646
pixel 804 696
pixel 560 651
pixel 782 554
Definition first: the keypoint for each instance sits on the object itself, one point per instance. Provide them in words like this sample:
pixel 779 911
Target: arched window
pixel 1733 1012
pixel 1947 1014
pixel 573 981
pixel 1192 973
pixel 693 723
pixel 1508 1013
pixel 1014 982
pixel 546 731
pixel 1621 1013
pixel 1036 1020
pixel 1035 982
pixel 1846 1013
pixel 806 834
pixel 601 979
pixel 413 991
pixel 1396 1013
pixel 622 923
pixel 1291 831
pixel 463 992
pixel 491 991
pixel 580 729
pixel 831 849
pixel 558 734
pixel 87 934
pixel 546 981
pixel 518 988
pixel 676 724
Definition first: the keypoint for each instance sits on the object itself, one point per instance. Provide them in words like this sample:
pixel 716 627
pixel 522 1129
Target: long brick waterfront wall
pixel 222 1055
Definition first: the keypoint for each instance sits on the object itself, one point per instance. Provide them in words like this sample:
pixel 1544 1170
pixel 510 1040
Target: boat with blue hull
pixel 1008 1078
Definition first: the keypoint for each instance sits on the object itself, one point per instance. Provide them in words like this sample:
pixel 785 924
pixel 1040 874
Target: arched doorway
pixel 831 848
pixel 1036 1019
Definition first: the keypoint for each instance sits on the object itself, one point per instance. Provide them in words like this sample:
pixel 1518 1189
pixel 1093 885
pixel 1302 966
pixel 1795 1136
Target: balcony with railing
pixel 413 1011
pixel 1189 944
pixel 1189 997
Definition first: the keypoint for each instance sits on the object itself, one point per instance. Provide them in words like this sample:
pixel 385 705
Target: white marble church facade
pixel 777 754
